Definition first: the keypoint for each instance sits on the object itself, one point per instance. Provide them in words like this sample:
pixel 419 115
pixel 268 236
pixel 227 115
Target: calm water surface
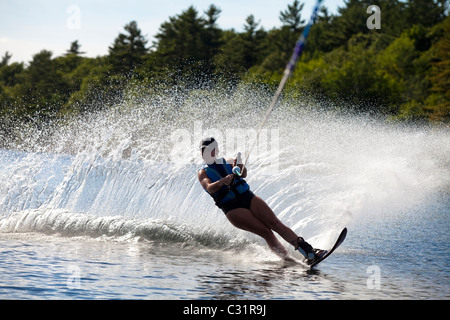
pixel 406 261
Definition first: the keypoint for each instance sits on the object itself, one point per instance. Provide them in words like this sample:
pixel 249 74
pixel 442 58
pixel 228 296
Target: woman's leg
pixel 244 219
pixel 263 212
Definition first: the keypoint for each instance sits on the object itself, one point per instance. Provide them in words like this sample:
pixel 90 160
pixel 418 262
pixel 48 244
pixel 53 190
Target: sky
pixel 29 26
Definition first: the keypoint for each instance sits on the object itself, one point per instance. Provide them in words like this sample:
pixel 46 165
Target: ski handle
pixel 236 170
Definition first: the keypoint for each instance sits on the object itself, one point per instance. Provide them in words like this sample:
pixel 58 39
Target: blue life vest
pixel 217 171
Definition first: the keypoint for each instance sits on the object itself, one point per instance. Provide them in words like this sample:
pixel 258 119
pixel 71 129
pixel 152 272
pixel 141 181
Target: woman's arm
pixel 213 187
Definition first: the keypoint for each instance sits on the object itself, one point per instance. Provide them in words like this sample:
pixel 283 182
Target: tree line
pixel 401 70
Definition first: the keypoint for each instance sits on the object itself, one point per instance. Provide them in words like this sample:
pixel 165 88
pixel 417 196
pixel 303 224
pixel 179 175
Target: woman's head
pixel 209 149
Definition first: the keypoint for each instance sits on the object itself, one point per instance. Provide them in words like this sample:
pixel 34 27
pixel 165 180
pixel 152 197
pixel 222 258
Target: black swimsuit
pixel 243 200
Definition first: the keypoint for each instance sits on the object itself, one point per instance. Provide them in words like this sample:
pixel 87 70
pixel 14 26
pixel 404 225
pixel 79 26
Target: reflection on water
pixel 34 266
pixel 278 281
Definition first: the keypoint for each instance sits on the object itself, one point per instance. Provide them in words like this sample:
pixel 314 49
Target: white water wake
pixel 131 170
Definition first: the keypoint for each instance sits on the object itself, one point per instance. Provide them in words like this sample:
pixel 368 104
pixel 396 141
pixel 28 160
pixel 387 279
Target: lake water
pixel 109 206
pixel 402 261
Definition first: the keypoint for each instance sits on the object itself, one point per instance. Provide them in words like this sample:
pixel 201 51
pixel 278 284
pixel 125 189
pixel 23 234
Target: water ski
pixel 339 241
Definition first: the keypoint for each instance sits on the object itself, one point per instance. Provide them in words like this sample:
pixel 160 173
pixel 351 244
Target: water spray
pixel 298 50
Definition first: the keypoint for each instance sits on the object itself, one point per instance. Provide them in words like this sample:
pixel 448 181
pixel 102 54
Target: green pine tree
pixel 128 50
pixel 292 17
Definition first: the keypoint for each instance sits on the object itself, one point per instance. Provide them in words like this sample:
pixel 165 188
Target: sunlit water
pixel 108 206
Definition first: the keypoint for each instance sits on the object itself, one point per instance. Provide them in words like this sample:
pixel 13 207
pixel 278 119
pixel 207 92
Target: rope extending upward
pixel 298 50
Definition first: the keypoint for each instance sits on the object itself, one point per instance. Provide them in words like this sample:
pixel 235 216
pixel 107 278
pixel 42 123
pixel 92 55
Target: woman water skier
pixel 242 207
